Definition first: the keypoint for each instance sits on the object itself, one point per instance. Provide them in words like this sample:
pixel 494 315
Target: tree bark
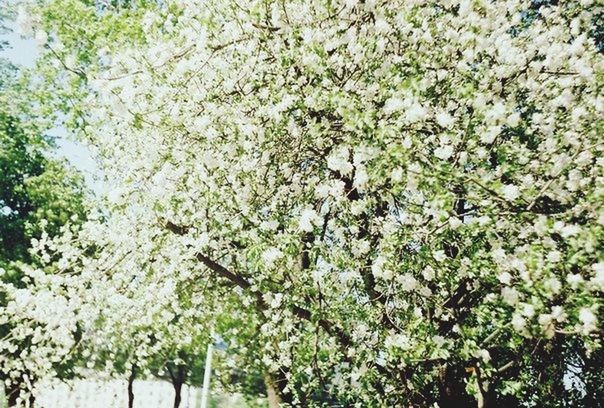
pixel 272 392
pixel 274 399
pixel 453 388
pixel 131 388
pixel 178 379
pixel 177 394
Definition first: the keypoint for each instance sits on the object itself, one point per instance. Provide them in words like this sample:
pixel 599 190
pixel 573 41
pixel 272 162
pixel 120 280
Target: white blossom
pixel 505 278
pixel 271 255
pixel 510 192
pixel 443 152
pixel 588 320
pixel 444 119
pixel 309 219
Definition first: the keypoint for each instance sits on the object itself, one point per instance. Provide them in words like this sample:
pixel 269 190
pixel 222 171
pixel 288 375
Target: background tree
pixel 39 194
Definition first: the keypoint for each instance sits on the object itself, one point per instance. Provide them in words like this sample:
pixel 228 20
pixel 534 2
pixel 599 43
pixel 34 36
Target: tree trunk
pixel 178 379
pixel 274 399
pixel 130 388
pixel 453 388
pixel 177 394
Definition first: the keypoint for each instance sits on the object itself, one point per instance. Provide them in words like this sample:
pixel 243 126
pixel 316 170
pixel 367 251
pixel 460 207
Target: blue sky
pixel 23 52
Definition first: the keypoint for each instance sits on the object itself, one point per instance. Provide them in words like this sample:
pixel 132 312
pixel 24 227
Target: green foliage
pixel 38 193
pixel 99 30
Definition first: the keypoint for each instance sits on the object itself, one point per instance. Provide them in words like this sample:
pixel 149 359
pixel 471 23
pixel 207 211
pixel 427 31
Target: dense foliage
pixel 39 193
pixel 376 203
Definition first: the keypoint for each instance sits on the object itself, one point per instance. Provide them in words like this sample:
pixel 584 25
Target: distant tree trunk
pixel 14 390
pixel 274 399
pixel 130 388
pixel 178 377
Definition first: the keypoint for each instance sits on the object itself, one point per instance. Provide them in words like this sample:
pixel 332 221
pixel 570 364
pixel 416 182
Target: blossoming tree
pixel 403 198
pixel 39 193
